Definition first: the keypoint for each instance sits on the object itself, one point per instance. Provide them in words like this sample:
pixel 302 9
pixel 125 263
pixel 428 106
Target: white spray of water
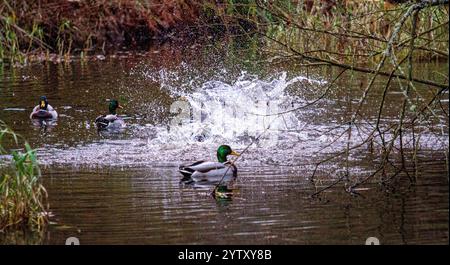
pixel 218 112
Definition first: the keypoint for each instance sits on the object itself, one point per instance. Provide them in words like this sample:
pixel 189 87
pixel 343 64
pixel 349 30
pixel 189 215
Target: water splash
pixel 234 113
pixel 216 112
pixel 240 112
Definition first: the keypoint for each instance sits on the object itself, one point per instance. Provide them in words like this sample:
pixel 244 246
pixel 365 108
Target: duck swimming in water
pixel 44 111
pixel 110 121
pixel 212 171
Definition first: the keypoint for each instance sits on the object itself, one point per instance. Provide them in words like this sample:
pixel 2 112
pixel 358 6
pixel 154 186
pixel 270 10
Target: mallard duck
pixel 43 110
pixel 211 171
pixel 110 121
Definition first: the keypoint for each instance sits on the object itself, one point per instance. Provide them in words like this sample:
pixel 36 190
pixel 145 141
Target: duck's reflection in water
pixel 44 125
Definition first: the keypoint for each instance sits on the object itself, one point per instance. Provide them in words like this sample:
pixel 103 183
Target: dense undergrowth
pixel 22 196
pixel 37 29
pixel 344 30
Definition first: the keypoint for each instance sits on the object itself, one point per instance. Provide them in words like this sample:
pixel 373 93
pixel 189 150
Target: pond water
pixel 180 104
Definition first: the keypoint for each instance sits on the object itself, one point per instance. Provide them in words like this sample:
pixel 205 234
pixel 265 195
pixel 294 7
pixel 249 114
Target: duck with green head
pixel 111 120
pixel 212 171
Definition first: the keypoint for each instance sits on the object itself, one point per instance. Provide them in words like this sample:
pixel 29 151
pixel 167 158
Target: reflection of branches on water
pixel 328 187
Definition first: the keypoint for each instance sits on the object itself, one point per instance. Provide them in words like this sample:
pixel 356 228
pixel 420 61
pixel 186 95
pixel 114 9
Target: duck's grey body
pixel 49 113
pixel 209 171
pixel 212 172
pixel 110 121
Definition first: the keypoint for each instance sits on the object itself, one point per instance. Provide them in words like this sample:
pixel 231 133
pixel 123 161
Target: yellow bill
pixel 234 153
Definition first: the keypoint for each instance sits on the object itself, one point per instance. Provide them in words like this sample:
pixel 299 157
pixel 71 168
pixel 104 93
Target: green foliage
pixel 22 196
pixel 17 42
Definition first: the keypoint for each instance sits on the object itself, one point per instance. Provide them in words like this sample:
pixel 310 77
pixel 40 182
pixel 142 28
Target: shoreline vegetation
pixel 55 30
pixel 346 31
pixel 23 199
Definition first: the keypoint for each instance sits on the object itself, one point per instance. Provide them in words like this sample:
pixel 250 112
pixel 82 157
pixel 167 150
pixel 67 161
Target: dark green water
pixel 124 189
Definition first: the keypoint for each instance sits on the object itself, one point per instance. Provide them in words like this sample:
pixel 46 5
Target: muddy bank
pixel 69 25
